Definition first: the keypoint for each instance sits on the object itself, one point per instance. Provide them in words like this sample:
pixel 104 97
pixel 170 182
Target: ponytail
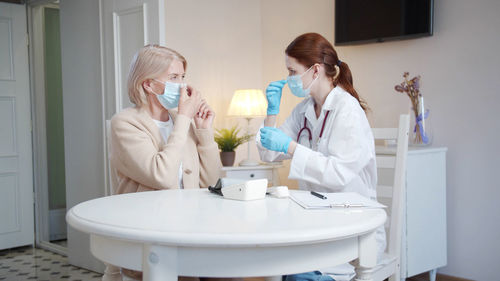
pixel 344 79
pixel 312 48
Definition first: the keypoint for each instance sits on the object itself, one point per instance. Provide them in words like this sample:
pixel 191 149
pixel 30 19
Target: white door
pixel 16 176
pixel 127 26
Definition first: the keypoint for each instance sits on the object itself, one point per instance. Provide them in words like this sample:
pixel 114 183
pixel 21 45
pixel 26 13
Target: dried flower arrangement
pixel 412 88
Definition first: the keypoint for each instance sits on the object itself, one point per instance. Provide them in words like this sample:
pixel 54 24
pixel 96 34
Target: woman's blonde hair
pixel 148 63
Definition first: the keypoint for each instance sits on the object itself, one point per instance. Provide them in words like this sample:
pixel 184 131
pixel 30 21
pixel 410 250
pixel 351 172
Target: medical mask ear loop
pixel 310 84
pixel 154 92
pixel 182 85
pixel 300 75
pixel 158 82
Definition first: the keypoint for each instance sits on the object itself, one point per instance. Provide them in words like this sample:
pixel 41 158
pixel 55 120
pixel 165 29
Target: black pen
pixel 318 195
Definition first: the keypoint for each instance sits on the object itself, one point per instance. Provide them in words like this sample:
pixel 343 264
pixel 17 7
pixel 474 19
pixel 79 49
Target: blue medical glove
pixel 274 139
pixel 273 95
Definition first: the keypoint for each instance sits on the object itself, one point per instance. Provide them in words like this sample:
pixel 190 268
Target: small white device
pixel 278 191
pixel 249 190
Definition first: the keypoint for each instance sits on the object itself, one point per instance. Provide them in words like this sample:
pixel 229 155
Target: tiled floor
pixel 27 263
pixel 62 242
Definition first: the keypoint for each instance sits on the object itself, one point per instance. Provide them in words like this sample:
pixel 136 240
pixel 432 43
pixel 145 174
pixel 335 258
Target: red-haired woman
pixel 327 135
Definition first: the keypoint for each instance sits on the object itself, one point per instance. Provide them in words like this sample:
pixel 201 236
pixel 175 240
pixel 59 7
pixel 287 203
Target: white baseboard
pixel 57 224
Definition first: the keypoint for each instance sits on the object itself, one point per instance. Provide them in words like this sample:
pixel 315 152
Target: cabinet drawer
pixel 251 175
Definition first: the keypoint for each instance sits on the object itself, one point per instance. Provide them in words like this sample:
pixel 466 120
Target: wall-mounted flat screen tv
pixel 366 21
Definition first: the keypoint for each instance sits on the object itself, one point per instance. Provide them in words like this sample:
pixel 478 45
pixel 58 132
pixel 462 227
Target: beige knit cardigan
pixel 142 161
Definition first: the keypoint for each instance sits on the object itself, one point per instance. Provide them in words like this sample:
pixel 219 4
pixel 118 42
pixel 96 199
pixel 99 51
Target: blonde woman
pixel 154 146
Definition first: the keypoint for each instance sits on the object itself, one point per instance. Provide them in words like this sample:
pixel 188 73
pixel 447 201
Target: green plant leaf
pixel 228 140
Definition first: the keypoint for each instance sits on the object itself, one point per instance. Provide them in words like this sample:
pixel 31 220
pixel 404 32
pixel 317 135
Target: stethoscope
pixel 305 128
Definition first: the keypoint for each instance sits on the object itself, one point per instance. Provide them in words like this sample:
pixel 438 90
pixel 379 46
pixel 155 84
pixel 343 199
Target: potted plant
pixel 228 141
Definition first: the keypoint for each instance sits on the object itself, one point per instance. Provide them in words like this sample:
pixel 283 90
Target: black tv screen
pixel 365 21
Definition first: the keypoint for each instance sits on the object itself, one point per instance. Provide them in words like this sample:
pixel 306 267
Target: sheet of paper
pixel 334 200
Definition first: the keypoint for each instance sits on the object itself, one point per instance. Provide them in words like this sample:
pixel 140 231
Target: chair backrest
pixel 393 158
pixel 111 175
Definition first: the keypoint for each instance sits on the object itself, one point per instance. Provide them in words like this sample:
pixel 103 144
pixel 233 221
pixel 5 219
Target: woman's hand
pixel 274 139
pixel 205 116
pixel 273 95
pixel 189 104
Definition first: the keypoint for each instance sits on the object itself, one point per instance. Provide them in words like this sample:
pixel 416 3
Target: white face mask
pixel 171 94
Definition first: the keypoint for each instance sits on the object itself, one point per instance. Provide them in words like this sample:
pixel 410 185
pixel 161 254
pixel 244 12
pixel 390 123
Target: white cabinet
pixel 424 229
pixel 269 172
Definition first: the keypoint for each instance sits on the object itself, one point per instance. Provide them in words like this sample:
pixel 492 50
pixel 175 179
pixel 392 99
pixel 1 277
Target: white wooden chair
pixel 388 159
pixel 111 273
pixel 111 178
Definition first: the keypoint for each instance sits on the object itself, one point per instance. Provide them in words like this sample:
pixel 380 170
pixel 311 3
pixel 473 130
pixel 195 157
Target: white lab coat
pixel 342 161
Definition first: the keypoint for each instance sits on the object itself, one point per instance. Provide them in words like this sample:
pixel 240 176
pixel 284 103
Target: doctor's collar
pixel 309 101
pixel 330 99
pixel 329 102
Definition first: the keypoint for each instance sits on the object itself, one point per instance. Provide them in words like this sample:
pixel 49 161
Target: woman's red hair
pixel 311 48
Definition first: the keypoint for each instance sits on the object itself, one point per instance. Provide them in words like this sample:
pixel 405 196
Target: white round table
pixel 196 233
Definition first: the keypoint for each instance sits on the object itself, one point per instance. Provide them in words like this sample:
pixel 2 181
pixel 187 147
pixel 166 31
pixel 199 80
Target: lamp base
pixel 249 163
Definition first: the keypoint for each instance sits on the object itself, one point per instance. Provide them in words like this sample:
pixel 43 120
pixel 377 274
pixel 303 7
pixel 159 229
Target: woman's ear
pixel 316 69
pixel 337 72
pixel 146 85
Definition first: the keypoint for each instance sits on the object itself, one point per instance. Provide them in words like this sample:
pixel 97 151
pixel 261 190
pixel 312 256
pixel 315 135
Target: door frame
pixel 104 104
pixel 35 15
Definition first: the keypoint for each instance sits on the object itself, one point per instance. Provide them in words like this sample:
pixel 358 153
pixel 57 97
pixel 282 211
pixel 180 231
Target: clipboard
pixel 333 200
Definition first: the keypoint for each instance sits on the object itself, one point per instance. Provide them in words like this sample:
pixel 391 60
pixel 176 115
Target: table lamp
pixel 248 104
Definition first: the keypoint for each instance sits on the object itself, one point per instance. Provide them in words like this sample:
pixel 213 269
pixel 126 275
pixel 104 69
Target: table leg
pixel 432 274
pixel 367 259
pixel 159 263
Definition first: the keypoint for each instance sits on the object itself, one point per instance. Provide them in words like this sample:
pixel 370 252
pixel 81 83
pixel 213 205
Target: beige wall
pixel 221 40
pixel 232 44
pixel 460 83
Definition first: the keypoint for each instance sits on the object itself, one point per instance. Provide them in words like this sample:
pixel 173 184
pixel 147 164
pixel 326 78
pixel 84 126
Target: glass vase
pixel 420 125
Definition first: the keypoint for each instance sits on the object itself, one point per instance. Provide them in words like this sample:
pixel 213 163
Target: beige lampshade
pixel 248 103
